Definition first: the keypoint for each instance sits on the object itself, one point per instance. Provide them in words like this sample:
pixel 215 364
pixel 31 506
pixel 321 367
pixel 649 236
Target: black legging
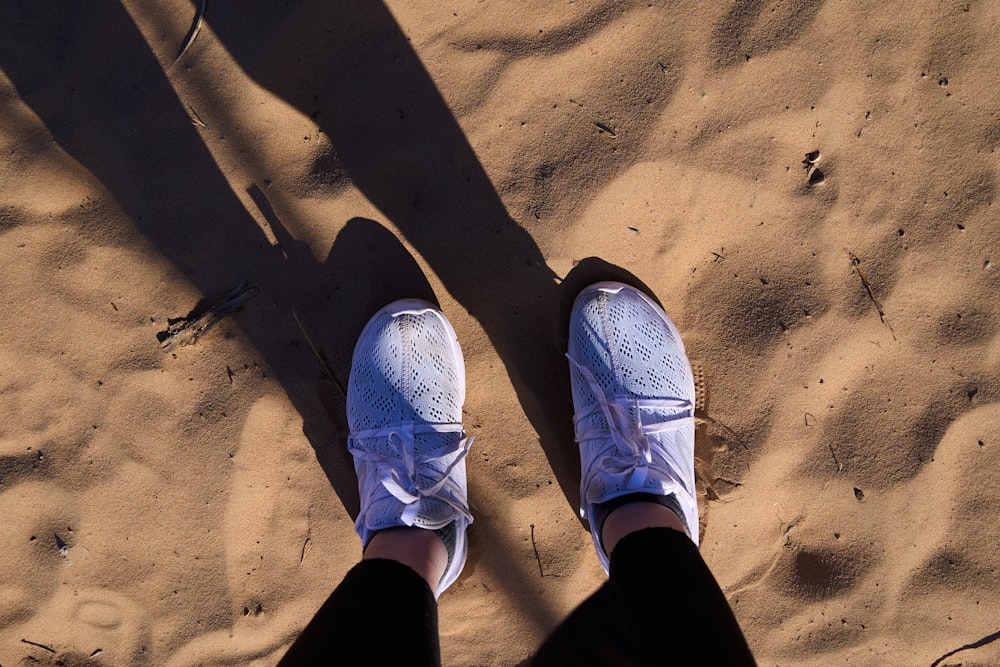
pixel 660 605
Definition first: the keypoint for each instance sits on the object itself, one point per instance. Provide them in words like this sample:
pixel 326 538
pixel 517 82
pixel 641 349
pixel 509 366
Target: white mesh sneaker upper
pixel 633 397
pixel 404 409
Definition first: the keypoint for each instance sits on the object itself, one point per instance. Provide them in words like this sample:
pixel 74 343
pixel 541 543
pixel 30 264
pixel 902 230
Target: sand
pixel 808 187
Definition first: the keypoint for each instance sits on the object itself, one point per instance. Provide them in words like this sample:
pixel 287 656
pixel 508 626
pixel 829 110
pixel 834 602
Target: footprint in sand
pixel 82 626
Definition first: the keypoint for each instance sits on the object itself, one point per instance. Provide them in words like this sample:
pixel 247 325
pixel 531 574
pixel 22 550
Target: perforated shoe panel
pixel 627 362
pixel 404 410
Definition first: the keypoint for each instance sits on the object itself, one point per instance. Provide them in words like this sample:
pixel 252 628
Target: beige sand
pixel 194 507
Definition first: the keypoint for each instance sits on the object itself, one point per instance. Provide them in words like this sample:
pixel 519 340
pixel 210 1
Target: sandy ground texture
pixel 808 187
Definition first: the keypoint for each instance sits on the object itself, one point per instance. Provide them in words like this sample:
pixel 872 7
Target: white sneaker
pixel 404 409
pixel 633 397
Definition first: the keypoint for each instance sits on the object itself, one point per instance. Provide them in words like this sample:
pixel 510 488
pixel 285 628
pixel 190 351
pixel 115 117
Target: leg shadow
pixel 350 67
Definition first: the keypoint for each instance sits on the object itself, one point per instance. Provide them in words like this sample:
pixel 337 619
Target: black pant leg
pixel 383 612
pixel 661 606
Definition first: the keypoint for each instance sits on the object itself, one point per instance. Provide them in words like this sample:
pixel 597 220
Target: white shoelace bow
pixel 632 453
pixel 399 475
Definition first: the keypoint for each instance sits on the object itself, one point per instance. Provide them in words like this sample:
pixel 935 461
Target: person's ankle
pixel 419 549
pixel 633 516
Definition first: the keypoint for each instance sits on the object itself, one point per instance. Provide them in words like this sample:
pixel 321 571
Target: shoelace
pixel 632 453
pixel 399 475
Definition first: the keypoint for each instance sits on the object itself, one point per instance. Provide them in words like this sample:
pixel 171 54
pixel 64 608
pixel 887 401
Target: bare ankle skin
pixel 636 516
pixel 420 549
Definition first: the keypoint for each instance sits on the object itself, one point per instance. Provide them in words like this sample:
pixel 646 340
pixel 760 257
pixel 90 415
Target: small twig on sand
pixel 319 357
pixel 856 265
pixel 187 330
pixel 836 461
pixel 607 128
pixel 538 558
pixel 535 548
pixel 193 32
pixel 47 648
pixel 302 557
pixel 197 119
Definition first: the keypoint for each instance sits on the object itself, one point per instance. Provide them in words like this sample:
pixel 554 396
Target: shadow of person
pixel 87 72
pixel 350 67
